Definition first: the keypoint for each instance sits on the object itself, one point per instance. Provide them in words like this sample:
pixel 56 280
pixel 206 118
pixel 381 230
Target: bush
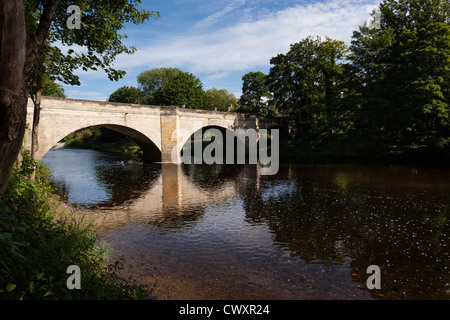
pixel 39 241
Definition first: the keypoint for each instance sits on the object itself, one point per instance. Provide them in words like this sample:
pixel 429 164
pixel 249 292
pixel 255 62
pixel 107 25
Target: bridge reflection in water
pixel 175 192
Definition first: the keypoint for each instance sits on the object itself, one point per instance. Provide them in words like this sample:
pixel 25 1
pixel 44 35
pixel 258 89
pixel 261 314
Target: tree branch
pixel 35 43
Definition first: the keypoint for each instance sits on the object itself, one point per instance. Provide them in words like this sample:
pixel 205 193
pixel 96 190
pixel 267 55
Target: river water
pixel 228 232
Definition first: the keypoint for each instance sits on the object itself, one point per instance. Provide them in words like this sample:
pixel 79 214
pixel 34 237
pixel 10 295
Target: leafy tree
pixel 51 88
pixel 221 100
pixel 334 116
pixel 401 72
pixel 308 82
pixel 154 81
pixel 171 86
pixel 127 95
pixel 29 28
pixel 100 34
pixel 255 93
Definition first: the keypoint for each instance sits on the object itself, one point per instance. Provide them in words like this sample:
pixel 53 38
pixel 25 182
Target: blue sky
pixel 220 41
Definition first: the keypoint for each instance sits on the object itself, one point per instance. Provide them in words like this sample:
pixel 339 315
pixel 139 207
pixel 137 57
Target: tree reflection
pixel 126 179
pixel 211 177
pixel 332 216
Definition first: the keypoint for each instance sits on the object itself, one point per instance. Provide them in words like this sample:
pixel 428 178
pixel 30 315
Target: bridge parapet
pixel 156 129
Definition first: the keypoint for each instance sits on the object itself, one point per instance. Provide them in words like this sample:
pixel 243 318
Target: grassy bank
pixel 39 241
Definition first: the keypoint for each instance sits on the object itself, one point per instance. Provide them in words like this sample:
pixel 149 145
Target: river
pixel 228 232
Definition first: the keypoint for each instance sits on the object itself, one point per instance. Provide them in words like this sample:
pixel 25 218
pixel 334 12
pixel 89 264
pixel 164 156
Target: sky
pixel 220 41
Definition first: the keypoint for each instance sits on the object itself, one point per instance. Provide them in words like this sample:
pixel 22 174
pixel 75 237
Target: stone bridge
pixel 156 129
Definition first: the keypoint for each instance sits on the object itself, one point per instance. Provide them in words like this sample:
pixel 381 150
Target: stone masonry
pixel 160 131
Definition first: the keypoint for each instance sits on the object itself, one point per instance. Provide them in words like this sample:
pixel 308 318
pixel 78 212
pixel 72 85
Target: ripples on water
pixel 226 232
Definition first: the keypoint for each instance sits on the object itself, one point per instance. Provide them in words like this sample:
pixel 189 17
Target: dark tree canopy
pixel 401 72
pixel 307 83
pixel 255 93
pixel 388 91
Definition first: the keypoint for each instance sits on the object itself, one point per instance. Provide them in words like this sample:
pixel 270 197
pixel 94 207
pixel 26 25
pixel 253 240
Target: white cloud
pixel 211 19
pixel 240 36
pixel 251 44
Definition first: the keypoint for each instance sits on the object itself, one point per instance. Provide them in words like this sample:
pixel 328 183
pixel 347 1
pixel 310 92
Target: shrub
pixel 38 241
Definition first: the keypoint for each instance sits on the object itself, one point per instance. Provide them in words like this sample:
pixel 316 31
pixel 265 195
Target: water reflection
pixel 397 219
pixel 307 232
pixel 88 178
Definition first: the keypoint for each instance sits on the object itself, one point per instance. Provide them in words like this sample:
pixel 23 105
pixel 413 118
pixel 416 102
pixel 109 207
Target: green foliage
pixel 401 74
pixel 221 100
pixel 127 95
pixel 307 83
pixel 154 81
pixel 172 87
pixel 102 21
pixel 38 241
pixel 255 93
pixel 50 88
pixel 388 93
pixel 184 90
pixel 102 139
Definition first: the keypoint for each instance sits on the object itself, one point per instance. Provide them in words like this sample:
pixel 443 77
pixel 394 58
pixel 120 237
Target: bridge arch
pixel 151 152
pixel 187 141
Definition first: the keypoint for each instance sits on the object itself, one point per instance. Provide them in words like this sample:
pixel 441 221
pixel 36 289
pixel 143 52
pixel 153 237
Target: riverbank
pixel 34 226
pixel 118 147
pixel 101 139
pixel 357 149
pixel 352 151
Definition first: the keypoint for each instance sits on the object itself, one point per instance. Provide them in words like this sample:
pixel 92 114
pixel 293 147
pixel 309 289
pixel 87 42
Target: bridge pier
pixel 171 186
pixel 170 135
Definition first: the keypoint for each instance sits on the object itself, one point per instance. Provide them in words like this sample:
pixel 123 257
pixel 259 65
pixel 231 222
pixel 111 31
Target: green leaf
pixel 48 293
pixel 10 287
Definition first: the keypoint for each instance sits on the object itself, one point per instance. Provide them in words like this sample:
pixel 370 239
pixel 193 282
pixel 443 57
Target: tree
pixel 221 100
pixel 27 31
pixel 307 82
pixel 153 81
pixel 402 74
pixel 255 93
pixel 51 88
pixel 127 95
pixel 333 120
pixel 16 54
pixel 171 86
pixel 101 22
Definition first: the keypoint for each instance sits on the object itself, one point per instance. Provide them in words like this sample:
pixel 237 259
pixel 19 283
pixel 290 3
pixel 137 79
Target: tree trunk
pixel 18 53
pixel 13 98
pixel 36 116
